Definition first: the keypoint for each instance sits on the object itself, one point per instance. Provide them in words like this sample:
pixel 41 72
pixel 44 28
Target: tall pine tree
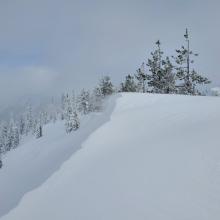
pixel 155 67
pixel 188 77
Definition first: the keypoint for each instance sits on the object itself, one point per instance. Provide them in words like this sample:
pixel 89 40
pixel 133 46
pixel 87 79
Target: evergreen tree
pixel 10 136
pixel 21 125
pixel 75 120
pixel 96 99
pixel 155 68
pixel 44 118
pixel 73 100
pixel 16 136
pixel 106 86
pixel 39 131
pixel 63 100
pixel 129 85
pixel 1 163
pixel 66 106
pixel 142 78
pixel 4 136
pixel 13 137
pixel 72 121
pixel 28 119
pixel 1 146
pixel 169 77
pixel 189 78
pixel 162 78
pixel 83 102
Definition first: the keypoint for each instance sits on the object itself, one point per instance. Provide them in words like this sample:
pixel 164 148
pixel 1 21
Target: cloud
pixel 26 82
pixel 52 45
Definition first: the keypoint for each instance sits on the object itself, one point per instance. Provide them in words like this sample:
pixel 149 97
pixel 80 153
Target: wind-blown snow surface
pixel 157 158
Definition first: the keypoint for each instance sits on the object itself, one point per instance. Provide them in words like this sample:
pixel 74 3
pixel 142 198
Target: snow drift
pixel 158 157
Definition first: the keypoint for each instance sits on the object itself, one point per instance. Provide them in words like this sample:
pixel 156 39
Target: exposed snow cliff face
pixel 158 157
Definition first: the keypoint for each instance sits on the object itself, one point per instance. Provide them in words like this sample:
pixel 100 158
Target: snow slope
pixel 34 161
pixel 157 158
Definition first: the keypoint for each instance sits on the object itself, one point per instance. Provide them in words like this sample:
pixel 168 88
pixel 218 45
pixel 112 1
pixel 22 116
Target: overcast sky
pixel 48 46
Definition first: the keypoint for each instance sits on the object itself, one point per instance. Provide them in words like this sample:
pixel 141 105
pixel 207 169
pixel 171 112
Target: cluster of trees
pixel 70 109
pixel 165 74
pixel 27 123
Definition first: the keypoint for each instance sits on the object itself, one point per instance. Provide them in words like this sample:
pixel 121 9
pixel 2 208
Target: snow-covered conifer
pixel 83 102
pixel 162 77
pixel 156 76
pixel 15 136
pixel 189 77
pixel 4 136
pixel 21 125
pixel 129 85
pixel 39 131
pixel 28 119
pixel 106 86
pixel 142 78
pixel 10 136
pixel 72 122
pixel 169 77
pixel 96 99
pixel 1 146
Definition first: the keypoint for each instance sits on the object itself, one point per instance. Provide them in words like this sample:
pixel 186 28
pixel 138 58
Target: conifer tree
pixel 9 139
pixel 75 120
pixel 106 86
pixel 189 77
pixel 1 163
pixel 162 77
pixel 83 102
pixel 73 100
pixel 4 136
pixel 16 136
pixel 142 78
pixel 96 99
pixel 72 121
pixel 155 68
pixel 28 119
pixel 63 100
pixel 129 85
pixel 21 125
pixel 66 106
pixel 13 136
pixel 1 146
pixel 39 131
pixel 169 77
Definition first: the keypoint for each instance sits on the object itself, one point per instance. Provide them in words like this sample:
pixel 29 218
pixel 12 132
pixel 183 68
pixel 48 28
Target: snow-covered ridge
pixel 158 157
